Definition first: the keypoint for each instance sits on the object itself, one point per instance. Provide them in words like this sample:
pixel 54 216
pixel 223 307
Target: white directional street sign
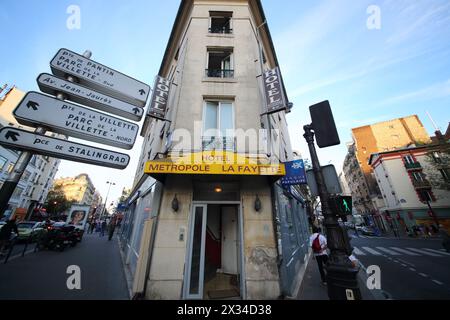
pixel 50 84
pixel 39 110
pixel 99 77
pixel 58 148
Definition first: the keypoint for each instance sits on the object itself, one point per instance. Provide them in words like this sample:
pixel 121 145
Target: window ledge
pixel 219 80
pixel 220 35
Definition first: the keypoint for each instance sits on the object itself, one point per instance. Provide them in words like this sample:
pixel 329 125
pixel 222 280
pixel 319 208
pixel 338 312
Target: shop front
pixel 215 231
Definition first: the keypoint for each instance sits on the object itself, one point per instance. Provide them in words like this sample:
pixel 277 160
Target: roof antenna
pixel 432 121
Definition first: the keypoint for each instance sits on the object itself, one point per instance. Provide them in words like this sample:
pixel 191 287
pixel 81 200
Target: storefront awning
pixel 214 163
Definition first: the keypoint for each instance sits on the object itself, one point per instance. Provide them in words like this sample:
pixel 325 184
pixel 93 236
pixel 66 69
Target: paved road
pixel 410 268
pixel 42 275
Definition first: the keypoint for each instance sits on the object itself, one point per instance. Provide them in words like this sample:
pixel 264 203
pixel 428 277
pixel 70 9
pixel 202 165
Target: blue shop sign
pixel 295 173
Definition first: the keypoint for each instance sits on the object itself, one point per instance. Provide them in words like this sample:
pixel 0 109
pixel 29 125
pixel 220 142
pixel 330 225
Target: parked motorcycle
pixel 58 236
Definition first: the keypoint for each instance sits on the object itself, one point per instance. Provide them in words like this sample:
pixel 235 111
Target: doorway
pixel 213 269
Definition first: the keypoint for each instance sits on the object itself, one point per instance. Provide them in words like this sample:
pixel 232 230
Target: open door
pixel 196 260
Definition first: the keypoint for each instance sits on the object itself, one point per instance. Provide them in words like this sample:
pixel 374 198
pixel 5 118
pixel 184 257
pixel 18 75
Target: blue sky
pixel 325 50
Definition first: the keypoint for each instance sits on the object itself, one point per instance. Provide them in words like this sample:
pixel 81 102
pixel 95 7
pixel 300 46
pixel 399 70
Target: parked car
pixel 29 229
pixel 368 231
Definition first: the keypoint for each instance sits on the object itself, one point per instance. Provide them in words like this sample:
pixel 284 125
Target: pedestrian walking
pixel 445 238
pixel 5 233
pixel 103 228
pixel 111 228
pixel 318 243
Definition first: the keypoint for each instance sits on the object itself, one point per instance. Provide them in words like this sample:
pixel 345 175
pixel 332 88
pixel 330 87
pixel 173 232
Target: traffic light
pixel 345 204
pixel 323 124
pixel 341 206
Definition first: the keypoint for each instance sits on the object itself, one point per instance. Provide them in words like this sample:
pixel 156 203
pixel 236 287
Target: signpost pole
pixel 341 275
pixel 13 179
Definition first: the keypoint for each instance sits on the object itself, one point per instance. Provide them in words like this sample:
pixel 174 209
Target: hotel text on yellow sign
pixel 213 163
pixel 214 168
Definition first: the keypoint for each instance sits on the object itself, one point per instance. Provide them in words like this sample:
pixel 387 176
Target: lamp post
pixel 106 199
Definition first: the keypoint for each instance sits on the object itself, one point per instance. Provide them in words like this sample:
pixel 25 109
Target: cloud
pixel 436 90
pixel 417 19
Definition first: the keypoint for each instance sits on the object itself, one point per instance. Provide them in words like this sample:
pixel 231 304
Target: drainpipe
pixel 277 232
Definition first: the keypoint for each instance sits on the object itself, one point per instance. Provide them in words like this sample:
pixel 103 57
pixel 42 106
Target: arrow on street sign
pixel 58 148
pixel 99 77
pixel 77 93
pixel 75 121
pixel 11 134
pixel 32 104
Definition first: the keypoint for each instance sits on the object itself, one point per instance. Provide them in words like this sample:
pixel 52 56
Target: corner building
pixel 234 233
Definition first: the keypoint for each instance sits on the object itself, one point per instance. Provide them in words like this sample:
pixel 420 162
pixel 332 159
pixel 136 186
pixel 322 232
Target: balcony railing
pixel 421 184
pixel 219 73
pixel 218 143
pixel 413 165
pixel 223 30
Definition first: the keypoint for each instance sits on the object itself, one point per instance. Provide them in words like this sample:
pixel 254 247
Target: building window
pixel 220 22
pixel 3 161
pixel 220 63
pixel 436 157
pixel 445 174
pixel 418 176
pixel 218 125
pixel 17 192
pixel 425 196
pixel 26 175
pixel 409 159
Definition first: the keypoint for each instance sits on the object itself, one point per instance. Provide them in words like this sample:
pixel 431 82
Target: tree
pixel 56 201
pixel 439 162
pixel 125 194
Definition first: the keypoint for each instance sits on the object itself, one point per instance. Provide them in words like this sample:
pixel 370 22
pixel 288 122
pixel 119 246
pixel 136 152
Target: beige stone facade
pixel 249 267
pixel 79 189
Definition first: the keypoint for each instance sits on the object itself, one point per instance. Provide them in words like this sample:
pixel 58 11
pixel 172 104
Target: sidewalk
pixel 313 289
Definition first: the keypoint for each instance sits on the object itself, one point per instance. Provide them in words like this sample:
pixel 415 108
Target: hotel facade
pixel 207 217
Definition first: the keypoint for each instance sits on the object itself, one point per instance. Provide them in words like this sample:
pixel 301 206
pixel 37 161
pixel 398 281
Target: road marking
pixel 437 251
pixel 404 265
pixel 406 262
pixel 369 250
pixel 412 269
pixel 358 252
pixel 405 251
pixel 392 253
pixel 438 282
pixel 424 275
pixel 425 252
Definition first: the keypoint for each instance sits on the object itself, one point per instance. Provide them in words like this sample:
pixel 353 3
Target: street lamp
pixel 54 208
pixel 106 199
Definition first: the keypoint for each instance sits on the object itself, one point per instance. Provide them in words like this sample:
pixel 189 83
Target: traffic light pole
pixel 341 274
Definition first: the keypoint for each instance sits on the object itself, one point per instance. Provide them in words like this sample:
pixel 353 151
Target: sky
pixel 373 60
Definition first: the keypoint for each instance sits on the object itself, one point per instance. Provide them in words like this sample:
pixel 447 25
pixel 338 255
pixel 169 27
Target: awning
pixel 214 163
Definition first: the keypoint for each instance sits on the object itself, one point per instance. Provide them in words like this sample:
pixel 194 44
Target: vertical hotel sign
pixel 158 102
pixel 273 89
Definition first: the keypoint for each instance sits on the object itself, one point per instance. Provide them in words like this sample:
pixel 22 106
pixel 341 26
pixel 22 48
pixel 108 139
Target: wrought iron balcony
pixel 412 166
pixel 219 73
pixel 218 143
pixel 222 30
pixel 421 184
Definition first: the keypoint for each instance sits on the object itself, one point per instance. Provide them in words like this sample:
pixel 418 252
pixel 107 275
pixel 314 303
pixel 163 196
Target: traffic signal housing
pixel 341 206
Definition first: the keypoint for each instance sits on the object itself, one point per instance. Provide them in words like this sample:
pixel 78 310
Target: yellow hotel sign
pixel 213 162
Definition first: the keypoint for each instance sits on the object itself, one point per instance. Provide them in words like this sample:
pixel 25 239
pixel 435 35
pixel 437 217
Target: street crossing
pixel 396 251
